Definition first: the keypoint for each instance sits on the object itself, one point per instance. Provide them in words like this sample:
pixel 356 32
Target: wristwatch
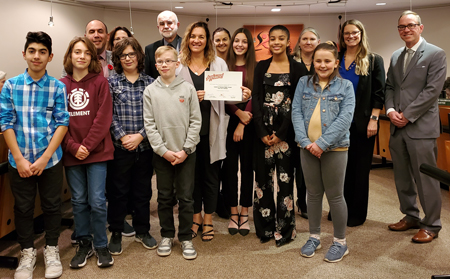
pixel 374 117
pixel 187 150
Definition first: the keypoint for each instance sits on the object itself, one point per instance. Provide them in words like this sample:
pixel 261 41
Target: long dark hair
pixel 113 34
pixel 250 57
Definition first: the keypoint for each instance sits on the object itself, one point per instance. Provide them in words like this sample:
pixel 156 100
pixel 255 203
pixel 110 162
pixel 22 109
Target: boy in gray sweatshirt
pixel 172 121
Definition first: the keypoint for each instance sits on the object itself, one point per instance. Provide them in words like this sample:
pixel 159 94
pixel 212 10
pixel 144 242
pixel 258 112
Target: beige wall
pixel 20 16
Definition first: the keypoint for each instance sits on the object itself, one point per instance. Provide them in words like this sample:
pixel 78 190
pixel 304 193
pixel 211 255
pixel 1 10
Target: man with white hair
pixel 167 24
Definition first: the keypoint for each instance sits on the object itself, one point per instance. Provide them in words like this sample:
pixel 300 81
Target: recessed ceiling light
pixel 178 7
pixel 380 4
pixel 276 10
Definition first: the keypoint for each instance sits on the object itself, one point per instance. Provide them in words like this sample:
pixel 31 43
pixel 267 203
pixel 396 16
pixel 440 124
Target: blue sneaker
pixel 308 250
pixel 336 252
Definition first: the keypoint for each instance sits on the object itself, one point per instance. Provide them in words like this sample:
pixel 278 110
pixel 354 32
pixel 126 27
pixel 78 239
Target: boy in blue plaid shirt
pixel 34 120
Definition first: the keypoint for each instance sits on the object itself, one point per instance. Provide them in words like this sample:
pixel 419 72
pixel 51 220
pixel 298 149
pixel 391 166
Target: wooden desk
pixel 443 161
pixel 7 199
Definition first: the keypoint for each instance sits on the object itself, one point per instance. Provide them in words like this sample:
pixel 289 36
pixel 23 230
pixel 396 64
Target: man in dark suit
pixel 414 81
pixel 167 23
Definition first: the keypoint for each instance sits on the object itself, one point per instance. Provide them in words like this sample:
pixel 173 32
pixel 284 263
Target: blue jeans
pixel 87 184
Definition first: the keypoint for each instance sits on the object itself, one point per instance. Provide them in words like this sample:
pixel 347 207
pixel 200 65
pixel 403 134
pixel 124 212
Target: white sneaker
pixel 26 265
pixel 165 247
pixel 53 267
pixel 188 249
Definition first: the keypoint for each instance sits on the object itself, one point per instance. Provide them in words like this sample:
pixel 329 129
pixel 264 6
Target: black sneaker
pixel 73 238
pixel 104 257
pixel 115 243
pixel 128 229
pixel 147 240
pixel 84 251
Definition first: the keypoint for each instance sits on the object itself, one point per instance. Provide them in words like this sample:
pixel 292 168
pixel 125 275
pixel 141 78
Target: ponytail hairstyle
pixel 286 31
pixel 327 47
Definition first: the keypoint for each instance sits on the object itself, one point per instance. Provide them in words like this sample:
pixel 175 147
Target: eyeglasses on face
pixel 168 62
pixel 131 55
pixel 410 26
pixel 354 33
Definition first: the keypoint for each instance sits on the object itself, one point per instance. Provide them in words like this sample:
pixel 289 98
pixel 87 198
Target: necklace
pixel 196 69
pixel 304 62
pixel 351 65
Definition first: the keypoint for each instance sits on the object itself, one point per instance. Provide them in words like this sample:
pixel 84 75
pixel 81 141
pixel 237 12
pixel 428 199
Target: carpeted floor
pixel 375 252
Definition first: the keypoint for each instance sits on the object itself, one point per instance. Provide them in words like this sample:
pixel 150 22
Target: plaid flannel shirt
pixel 34 109
pixel 128 115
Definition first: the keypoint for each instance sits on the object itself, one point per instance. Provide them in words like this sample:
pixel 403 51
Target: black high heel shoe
pixel 243 232
pixel 234 231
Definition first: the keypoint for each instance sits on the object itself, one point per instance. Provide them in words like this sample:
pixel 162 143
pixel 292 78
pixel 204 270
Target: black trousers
pixel 130 172
pixel 242 152
pixel 207 180
pixel 356 186
pixel 299 180
pixel 180 179
pixel 24 190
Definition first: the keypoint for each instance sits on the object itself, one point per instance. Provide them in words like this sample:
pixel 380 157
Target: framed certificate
pixel 223 86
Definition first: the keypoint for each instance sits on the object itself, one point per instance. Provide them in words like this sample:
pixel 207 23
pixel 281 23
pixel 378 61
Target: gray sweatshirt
pixel 172 117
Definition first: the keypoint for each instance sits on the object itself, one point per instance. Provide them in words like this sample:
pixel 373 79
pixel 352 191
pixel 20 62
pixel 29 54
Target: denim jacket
pixel 336 112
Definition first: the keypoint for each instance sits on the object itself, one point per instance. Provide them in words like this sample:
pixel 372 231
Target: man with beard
pixel 167 24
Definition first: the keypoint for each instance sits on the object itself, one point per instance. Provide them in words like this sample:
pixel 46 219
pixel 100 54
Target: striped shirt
pixel 128 115
pixel 34 109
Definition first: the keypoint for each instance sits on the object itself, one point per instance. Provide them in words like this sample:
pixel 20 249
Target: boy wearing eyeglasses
pixel 172 121
pixel 131 170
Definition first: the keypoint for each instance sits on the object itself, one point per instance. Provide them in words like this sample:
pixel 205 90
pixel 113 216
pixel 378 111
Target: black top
pixel 295 72
pixel 205 106
pixel 370 92
pixel 150 61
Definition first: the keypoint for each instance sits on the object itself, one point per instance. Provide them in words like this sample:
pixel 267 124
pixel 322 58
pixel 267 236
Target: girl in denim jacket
pixel 322 112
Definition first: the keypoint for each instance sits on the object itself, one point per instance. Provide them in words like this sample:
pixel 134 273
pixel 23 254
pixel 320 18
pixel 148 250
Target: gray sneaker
pixel 336 252
pixel 84 251
pixel 104 258
pixel 147 240
pixel 309 249
pixel 165 247
pixel 115 243
pixel 128 229
pixel 26 265
pixel 189 252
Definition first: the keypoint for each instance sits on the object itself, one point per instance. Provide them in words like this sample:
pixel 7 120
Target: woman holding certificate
pixel 274 85
pixel 198 56
pixel 240 136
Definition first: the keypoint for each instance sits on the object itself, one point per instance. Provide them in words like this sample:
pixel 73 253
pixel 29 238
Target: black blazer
pixel 296 71
pixel 150 61
pixel 370 92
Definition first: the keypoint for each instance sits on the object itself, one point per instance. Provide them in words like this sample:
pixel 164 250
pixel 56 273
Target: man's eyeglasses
pixel 410 26
pixel 354 33
pixel 131 55
pixel 168 62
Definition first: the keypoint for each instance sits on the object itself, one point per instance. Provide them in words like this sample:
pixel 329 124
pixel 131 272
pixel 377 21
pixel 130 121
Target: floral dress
pixel 270 220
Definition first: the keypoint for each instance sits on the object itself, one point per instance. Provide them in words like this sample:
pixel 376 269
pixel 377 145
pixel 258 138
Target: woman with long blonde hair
pixel 366 72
